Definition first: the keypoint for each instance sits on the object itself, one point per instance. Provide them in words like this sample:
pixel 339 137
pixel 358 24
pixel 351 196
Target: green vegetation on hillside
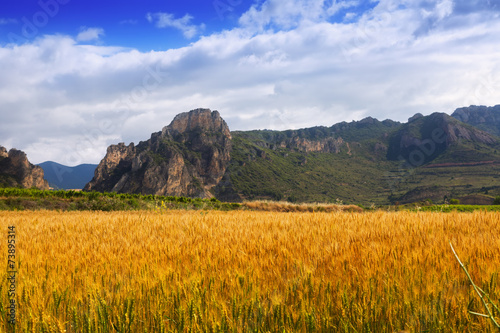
pixel 373 163
pixel 264 167
pixel 33 199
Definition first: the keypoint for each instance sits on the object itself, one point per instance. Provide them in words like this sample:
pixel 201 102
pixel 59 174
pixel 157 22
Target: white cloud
pixel 163 20
pixel 89 34
pixel 336 6
pixel 71 101
pixel 444 8
pixel 277 14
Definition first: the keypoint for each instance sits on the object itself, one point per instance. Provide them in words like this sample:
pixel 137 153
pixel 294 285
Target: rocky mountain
pixel 368 161
pixel 423 139
pixel 67 178
pixel 17 171
pixel 187 158
pixel 483 117
pixel 313 164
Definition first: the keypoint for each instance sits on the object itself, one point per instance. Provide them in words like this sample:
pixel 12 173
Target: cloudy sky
pixel 79 75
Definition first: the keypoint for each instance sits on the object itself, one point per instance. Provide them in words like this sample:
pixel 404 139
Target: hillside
pixel 365 162
pixel 317 164
pixel 67 178
pixel 442 158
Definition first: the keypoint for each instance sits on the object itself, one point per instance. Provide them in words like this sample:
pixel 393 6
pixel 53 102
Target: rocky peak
pixel 197 120
pixel 483 117
pixel 457 130
pixel 415 117
pixel 187 158
pixel 3 152
pixel 16 170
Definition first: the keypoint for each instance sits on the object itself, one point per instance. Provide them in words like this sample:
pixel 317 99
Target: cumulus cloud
pixel 164 20
pixel 89 34
pixel 70 101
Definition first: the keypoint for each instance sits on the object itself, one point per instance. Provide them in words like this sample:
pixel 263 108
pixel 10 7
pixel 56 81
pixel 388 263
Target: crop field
pixel 248 271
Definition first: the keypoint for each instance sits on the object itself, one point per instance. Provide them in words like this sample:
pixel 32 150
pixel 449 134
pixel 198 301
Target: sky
pixel 80 75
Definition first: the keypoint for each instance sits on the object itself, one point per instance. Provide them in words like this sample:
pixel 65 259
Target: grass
pixel 251 271
pixel 284 206
pixel 460 208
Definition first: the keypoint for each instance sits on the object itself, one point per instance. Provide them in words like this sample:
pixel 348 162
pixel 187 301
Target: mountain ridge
pixel 486 118
pixel 361 161
pixel 433 157
pixel 64 177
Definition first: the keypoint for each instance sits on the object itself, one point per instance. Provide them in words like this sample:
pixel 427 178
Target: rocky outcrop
pixel 16 170
pixel 486 118
pixel 187 158
pixel 327 145
pixel 3 152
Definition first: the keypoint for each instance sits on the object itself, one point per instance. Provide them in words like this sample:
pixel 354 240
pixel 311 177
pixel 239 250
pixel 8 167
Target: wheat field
pixel 244 271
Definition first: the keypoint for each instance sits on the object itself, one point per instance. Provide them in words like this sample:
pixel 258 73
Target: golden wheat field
pixel 243 271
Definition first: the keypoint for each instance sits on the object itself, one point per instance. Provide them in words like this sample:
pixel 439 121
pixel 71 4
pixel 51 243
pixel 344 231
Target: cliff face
pixel 187 158
pixel 16 170
pixel 326 145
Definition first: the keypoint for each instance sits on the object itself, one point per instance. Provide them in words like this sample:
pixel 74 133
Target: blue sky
pixel 78 75
pixel 124 23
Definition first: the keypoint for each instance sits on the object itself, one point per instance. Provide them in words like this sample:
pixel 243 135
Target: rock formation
pixel 486 118
pixel 16 170
pixel 326 145
pixel 187 158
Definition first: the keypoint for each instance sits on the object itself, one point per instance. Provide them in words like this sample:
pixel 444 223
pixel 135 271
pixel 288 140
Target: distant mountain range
pixel 435 157
pixel 66 178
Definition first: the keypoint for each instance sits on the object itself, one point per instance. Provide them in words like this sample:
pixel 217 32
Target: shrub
pixel 454 201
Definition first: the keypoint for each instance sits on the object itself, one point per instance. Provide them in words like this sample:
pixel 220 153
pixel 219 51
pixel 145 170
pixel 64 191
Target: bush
pixel 497 201
pixel 454 202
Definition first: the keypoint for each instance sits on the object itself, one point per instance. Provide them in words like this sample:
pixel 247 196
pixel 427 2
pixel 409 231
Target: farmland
pixel 249 271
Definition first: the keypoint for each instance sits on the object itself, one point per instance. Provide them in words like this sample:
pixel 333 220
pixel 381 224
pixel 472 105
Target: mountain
pixel 187 158
pixel 434 157
pixel 17 171
pixel 423 139
pixel 365 161
pixel 440 158
pixel 320 164
pixel 64 177
pixel 486 118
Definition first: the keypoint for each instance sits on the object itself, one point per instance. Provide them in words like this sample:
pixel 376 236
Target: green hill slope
pixel 369 161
